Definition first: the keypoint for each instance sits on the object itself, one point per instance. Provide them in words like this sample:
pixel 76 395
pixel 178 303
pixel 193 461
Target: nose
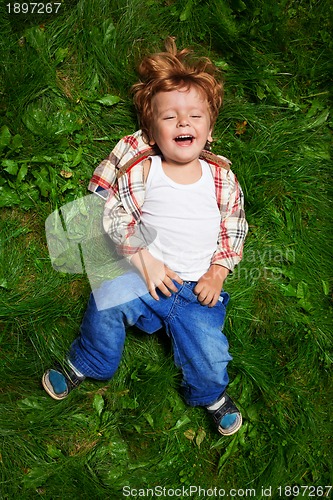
pixel 183 121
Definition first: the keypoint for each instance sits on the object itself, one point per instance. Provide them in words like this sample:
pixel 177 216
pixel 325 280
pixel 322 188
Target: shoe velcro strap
pixel 226 408
pixel 72 379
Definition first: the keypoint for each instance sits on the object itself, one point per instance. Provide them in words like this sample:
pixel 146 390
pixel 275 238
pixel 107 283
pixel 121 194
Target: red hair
pixel 172 70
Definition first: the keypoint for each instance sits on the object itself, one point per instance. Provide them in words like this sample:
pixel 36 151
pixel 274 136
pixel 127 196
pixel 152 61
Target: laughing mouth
pixel 184 138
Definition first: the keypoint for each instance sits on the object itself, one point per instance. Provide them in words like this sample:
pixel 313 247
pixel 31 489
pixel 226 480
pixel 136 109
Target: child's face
pixel 181 124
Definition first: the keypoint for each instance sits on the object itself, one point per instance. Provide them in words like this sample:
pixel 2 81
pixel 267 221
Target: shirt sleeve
pixel 123 228
pixel 124 194
pixel 122 214
pixel 233 226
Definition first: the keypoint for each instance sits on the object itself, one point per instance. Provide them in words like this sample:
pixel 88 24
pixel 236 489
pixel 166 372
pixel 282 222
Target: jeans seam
pixel 170 315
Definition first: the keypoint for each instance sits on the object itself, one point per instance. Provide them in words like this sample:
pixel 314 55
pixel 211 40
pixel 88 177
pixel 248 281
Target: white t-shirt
pixel 182 219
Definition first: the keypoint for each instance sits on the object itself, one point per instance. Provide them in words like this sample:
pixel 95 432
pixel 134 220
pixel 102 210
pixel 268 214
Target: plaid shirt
pixel 119 179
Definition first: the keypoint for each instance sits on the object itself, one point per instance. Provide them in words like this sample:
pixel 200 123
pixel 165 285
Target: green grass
pixel 64 103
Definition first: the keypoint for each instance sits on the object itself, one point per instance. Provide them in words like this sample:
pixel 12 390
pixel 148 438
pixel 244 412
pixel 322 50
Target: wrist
pixel 140 260
pixel 219 271
pixel 136 258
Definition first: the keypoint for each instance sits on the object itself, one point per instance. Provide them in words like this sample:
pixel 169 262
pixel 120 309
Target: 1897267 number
pixel 301 491
pixel 33 8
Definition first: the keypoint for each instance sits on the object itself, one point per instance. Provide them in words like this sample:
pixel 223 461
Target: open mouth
pixel 184 139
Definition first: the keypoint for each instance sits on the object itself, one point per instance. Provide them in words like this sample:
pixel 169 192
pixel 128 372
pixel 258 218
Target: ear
pixel 210 138
pixel 148 139
pixel 151 140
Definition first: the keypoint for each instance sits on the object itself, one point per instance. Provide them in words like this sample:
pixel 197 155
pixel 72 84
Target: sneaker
pixel 226 415
pixel 58 382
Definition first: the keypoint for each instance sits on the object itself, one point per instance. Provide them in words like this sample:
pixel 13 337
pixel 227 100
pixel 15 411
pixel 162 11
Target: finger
pixel 214 301
pixel 206 299
pixel 178 279
pixel 201 292
pixel 162 288
pixel 153 292
pixel 197 289
pixel 170 284
pixel 174 276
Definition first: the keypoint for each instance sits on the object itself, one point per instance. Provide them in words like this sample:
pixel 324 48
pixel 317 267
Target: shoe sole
pixel 49 390
pixel 233 429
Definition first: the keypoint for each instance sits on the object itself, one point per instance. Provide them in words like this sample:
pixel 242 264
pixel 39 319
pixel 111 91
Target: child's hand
pixel 156 274
pixel 210 285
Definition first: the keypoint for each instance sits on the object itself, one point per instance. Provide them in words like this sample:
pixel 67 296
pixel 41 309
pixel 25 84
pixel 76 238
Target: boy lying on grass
pixel 175 211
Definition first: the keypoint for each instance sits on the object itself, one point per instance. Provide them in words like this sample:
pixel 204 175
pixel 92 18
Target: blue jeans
pixel 200 348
